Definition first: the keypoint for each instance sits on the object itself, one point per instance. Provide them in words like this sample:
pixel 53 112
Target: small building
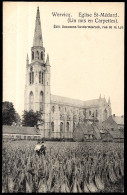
pixel 20 133
pixel 112 126
pixel 119 121
pixel 84 132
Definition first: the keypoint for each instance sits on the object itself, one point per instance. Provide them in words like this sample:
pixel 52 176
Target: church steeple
pixel 27 59
pixel 38 33
pixel 47 60
pixel 109 101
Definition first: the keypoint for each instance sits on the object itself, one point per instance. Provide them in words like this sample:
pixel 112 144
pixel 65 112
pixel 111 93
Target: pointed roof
pixel 27 58
pixel 47 60
pixel 109 100
pixel 118 119
pixel 38 33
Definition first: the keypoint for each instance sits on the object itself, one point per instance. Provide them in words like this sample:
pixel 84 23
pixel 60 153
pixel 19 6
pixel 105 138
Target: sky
pixel 84 62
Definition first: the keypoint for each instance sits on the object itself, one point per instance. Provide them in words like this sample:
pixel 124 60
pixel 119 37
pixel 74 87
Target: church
pixel 60 114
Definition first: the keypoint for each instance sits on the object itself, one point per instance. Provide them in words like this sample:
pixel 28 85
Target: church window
pixel 67 126
pixel 89 112
pixel 96 113
pixel 53 109
pixel 37 54
pixel 61 127
pixel 59 108
pixel 41 55
pixel 73 126
pixel 31 100
pixel 32 77
pixel 41 100
pixel 65 109
pixel 42 78
pixel 52 126
pixel 32 55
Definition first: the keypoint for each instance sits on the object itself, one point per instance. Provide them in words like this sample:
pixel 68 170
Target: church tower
pixel 37 88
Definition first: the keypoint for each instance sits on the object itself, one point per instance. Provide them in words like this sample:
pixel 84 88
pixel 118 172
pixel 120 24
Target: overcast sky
pixel 84 62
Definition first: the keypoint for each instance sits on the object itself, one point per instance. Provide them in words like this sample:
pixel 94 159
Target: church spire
pixel 27 59
pixel 38 33
pixel 47 60
pixel 109 101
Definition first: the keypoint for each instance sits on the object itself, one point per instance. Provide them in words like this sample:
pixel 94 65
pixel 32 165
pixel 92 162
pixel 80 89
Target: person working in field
pixel 40 148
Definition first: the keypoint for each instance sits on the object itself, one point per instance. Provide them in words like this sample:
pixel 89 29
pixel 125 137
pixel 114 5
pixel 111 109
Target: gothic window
pixel 61 127
pixel 53 109
pixel 89 112
pixel 105 114
pixel 32 55
pixel 32 77
pixel 59 108
pixel 52 126
pixel 96 113
pixel 41 100
pixel 67 126
pixel 73 126
pixel 41 55
pixel 37 54
pixel 31 100
pixel 42 78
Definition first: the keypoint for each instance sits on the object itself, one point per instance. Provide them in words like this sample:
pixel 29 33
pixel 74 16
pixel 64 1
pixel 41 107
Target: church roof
pixel 66 100
pixel 75 102
pixel 19 130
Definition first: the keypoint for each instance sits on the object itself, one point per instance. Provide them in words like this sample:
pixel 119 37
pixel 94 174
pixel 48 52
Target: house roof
pixel 75 102
pixel 86 128
pixel 118 119
pixel 20 130
pixel 116 134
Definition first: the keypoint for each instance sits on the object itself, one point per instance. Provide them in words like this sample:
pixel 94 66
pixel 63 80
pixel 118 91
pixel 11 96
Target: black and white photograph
pixel 63 97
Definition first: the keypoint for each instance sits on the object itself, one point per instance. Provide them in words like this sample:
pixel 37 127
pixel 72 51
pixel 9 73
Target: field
pixel 66 167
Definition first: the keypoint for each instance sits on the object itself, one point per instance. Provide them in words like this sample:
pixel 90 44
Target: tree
pixel 30 118
pixel 9 115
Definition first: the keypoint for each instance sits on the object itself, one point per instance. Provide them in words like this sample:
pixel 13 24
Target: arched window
pixel 52 126
pixel 41 55
pixel 73 126
pixel 59 108
pixel 89 112
pixel 96 113
pixel 41 100
pixel 32 55
pixel 61 127
pixel 105 114
pixel 42 78
pixel 31 100
pixel 37 54
pixel 32 77
pixel 67 126
pixel 53 109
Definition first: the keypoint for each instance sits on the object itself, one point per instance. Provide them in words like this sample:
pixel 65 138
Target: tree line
pixel 10 116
